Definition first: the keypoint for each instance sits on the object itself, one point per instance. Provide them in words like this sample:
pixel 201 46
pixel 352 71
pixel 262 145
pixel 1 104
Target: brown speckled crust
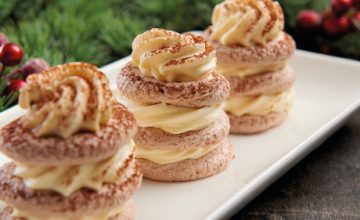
pixel 263 84
pixel 14 192
pixel 128 213
pixel 208 165
pixel 22 145
pixel 278 50
pixel 251 124
pixel 208 92
pixel 154 138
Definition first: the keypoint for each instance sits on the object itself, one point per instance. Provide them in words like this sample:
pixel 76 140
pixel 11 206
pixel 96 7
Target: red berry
pixel 309 20
pixel 340 6
pixel 336 26
pixel 344 24
pixel 10 54
pixel 16 84
pixel 330 26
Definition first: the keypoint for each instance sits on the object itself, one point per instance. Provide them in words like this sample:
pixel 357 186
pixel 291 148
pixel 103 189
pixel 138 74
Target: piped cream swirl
pixel 66 99
pixel 247 22
pixel 172 57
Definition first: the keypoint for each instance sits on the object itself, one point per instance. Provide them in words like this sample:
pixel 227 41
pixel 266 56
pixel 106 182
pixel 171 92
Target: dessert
pixel 73 150
pixel 177 99
pixel 252 51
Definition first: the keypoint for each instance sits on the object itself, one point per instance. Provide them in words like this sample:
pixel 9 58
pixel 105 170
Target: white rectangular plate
pixel 327 92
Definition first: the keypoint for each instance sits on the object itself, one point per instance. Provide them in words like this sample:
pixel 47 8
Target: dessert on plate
pixel 252 51
pixel 177 99
pixel 73 153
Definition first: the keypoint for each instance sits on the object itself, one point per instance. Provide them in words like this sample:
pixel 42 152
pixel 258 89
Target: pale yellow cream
pixel 235 71
pixel 260 105
pixel 247 22
pixel 68 179
pixel 168 156
pixel 66 99
pixel 171 118
pixel 172 57
pixel 102 216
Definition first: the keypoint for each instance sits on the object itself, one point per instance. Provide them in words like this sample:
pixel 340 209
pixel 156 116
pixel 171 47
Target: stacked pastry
pixel 252 52
pixel 177 99
pixel 73 151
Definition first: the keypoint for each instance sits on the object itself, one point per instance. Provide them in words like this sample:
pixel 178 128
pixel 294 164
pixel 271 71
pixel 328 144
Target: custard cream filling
pixel 68 179
pixel 171 118
pixel 243 72
pixel 260 105
pixel 171 156
pixel 101 216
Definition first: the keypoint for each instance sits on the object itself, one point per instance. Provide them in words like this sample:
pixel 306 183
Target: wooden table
pixel 325 185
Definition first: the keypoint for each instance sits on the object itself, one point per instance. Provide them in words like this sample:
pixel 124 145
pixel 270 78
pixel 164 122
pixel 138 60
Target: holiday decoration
pixel 10 83
pixel 328 26
pixel 6 98
pixel 340 6
pixel 10 54
pixel 336 21
pixel 16 84
pixel 309 20
pixel 32 66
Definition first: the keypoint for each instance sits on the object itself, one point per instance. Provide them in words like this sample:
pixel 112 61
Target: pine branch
pixel 119 39
pixel 6 100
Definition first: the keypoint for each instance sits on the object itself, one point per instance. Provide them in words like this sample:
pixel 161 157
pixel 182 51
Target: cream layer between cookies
pixel 171 118
pixel 68 179
pixel 248 71
pixel 239 105
pixel 172 156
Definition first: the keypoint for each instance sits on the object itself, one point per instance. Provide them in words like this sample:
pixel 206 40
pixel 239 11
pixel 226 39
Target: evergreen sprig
pixel 6 100
pixel 98 32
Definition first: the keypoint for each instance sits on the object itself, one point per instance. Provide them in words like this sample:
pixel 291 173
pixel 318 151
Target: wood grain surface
pixel 325 185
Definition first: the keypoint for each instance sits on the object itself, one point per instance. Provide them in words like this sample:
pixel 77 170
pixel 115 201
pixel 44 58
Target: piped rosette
pixel 252 52
pixel 172 89
pixel 74 145
pixel 172 57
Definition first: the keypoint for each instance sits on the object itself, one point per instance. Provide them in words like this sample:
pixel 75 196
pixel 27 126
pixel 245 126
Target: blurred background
pixel 99 32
